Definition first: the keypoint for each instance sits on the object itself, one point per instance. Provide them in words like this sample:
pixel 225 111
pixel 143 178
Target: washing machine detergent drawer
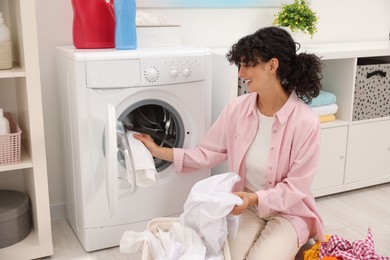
pixel 113 73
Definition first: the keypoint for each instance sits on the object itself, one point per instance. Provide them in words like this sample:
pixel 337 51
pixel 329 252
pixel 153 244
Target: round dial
pixel 173 73
pixel 151 74
pixel 186 72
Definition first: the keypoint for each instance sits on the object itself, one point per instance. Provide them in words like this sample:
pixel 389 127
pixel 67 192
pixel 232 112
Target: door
pixel 368 151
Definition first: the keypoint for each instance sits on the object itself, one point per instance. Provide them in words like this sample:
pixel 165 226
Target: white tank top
pixel 257 154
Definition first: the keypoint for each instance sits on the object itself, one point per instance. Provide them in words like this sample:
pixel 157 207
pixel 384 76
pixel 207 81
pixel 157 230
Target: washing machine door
pixel 154 117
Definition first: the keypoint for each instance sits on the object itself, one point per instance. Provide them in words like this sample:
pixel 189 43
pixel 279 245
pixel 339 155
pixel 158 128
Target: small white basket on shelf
pixel 10 149
pixel 165 224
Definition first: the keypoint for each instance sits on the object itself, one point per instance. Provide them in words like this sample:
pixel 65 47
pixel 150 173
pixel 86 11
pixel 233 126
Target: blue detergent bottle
pixel 125 25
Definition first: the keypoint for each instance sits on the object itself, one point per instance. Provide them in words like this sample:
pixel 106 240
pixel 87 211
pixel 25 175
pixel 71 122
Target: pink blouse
pixel 292 158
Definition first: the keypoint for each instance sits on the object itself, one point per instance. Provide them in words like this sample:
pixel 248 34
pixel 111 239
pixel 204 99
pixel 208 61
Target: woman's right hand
pixel 163 153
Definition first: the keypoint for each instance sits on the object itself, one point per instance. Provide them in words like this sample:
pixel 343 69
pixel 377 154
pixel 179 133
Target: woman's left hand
pixel 248 199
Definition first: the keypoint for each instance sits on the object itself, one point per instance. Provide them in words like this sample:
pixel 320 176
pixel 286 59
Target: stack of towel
pixel 324 105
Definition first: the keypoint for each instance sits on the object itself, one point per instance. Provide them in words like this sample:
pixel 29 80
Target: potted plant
pixel 297 16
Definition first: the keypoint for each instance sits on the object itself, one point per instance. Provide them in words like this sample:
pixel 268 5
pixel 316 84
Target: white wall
pixel 340 20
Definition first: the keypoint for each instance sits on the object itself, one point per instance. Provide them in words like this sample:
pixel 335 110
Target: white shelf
pixel 25 162
pixel 335 123
pixel 28 248
pixel 345 50
pixel 15 72
pixel 24 93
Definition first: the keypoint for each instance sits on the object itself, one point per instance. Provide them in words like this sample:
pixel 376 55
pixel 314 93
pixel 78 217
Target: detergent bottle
pixel 93 24
pixel 125 24
pixel 5 45
pixel 4 124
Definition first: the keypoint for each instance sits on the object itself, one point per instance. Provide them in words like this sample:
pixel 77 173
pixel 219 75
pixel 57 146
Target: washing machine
pixel 165 92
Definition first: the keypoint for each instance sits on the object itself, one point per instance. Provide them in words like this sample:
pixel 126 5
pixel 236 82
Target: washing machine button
pixel 174 73
pixel 186 72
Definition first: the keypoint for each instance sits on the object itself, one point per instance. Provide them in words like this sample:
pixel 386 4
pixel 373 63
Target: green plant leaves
pixel 297 16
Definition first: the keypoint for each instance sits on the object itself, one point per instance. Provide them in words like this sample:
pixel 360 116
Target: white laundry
pixel 131 242
pixel 143 165
pixel 201 231
pixel 206 209
pixel 178 243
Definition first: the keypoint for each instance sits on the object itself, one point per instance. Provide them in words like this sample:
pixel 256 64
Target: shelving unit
pixel 354 154
pixel 22 84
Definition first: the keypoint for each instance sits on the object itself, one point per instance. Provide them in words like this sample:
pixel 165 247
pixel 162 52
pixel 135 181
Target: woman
pixel 271 138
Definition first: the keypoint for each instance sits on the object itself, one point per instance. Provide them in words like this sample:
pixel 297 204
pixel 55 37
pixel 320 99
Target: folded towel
pixel 324 98
pixel 325 110
pixel 143 164
pixel 327 118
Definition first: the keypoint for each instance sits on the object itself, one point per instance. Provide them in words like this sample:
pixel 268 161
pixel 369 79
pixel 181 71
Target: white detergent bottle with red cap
pixel 4 124
pixel 125 24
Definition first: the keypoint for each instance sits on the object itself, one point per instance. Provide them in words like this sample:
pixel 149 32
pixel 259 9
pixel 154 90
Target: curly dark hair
pixel 301 72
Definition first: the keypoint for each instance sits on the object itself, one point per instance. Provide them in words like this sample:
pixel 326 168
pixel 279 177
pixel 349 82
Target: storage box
pixel 5 55
pixel 165 224
pixel 372 89
pixel 15 217
pixel 158 36
pixel 10 144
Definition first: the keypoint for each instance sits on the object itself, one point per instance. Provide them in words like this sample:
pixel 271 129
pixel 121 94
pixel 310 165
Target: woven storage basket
pixel 10 144
pixel 5 55
pixel 165 224
pixel 372 89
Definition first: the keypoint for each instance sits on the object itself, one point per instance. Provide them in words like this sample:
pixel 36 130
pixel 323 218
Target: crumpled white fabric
pixel 143 164
pixel 207 207
pixel 190 240
pixel 201 230
pixel 131 242
pixel 178 243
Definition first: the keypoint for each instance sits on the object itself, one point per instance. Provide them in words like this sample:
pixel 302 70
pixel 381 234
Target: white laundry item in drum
pixel 207 207
pixel 144 168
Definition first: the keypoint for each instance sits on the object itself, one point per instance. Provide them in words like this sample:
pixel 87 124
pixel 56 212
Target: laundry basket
pixel 165 224
pixel 10 143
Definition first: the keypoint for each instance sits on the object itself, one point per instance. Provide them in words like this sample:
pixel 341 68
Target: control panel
pixel 171 70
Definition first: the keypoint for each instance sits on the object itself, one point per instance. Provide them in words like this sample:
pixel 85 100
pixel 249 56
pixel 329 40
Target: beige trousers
pixel 271 238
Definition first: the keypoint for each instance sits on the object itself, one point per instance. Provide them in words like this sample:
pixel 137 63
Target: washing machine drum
pixel 158 119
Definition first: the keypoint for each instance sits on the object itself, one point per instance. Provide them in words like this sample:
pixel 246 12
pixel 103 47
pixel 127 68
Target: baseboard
pixel 57 211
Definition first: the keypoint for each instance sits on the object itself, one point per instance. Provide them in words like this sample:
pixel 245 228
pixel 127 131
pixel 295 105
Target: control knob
pixel 151 74
pixel 186 72
pixel 173 73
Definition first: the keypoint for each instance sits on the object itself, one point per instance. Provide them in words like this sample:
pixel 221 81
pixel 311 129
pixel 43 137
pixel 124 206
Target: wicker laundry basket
pixel 165 224
pixel 5 55
pixel 10 149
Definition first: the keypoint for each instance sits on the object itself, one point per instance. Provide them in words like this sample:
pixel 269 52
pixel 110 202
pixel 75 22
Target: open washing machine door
pixel 154 117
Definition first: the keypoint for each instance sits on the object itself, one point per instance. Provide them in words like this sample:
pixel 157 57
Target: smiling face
pixel 258 77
